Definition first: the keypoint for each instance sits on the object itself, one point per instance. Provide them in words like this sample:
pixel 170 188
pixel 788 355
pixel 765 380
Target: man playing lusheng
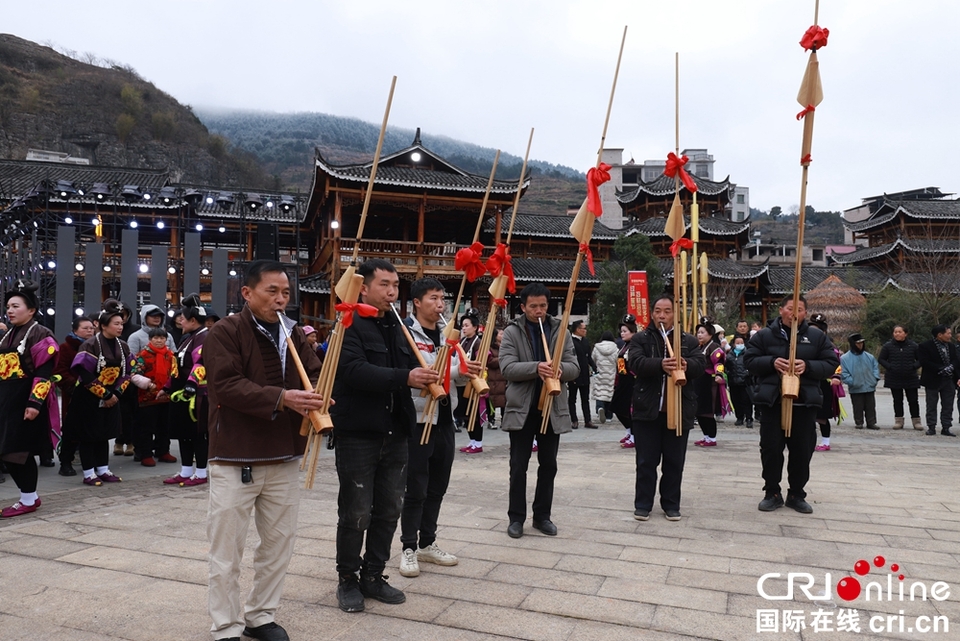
pixel 256 406
pixel 767 358
pixel 372 420
pixel 656 444
pixel 525 366
pixel 428 470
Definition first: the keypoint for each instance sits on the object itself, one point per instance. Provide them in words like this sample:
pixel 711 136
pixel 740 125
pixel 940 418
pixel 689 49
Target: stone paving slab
pixel 128 561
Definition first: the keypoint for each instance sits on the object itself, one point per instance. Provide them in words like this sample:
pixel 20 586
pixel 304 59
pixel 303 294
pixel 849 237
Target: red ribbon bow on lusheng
pixel 596 176
pixel 585 249
pixel 814 38
pixel 367 311
pixel 468 261
pixel 678 244
pixel 675 165
pixel 499 263
pixel 455 346
pixel 806 110
pixel 500 302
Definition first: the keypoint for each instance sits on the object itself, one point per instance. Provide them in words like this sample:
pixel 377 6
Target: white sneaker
pixel 408 563
pixel 602 415
pixel 433 554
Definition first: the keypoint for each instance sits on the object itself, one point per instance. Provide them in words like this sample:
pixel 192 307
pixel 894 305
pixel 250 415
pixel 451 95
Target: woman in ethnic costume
pixel 711 388
pixel 28 352
pixel 622 402
pixel 103 366
pixel 188 391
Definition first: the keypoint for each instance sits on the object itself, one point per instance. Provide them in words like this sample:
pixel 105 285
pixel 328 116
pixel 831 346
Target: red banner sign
pixel 638 301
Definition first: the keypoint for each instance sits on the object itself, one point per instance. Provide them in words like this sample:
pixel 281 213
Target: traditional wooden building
pixel 908 236
pixel 423 210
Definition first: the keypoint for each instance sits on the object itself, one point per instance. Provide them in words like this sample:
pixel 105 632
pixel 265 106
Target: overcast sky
pixel 486 72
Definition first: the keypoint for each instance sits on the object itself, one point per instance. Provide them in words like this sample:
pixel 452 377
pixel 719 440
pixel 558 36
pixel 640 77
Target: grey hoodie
pixel 140 339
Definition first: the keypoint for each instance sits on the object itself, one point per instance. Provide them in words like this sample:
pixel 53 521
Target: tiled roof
pixel 708 225
pixel 922 209
pixel 550 226
pixel 918 245
pixel 454 180
pixel 18 177
pixel 275 206
pixel 551 271
pixel 724 268
pixel 664 186
pixel 925 282
pixel 866 280
pixel 315 284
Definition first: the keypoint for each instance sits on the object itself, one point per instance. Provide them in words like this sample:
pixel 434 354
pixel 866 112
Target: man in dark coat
pixel 655 444
pixel 941 365
pixel 372 419
pixel 767 358
pixel 582 384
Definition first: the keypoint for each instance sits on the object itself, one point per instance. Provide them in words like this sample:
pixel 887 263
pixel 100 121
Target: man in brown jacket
pixel 256 407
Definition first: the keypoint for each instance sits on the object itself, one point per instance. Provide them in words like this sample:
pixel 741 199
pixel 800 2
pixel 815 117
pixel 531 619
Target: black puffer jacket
pixel 371 392
pixel 773 342
pixel 900 364
pixel 646 358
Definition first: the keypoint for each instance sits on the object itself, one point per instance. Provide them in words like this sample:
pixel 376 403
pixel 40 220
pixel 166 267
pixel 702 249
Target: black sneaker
pixel 66 470
pixel 770 502
pixel 947 432
pixel 931 432
pixel 739 423
pixel 798 504
pixel 376 587
pixel 672 515
pixel 349 596
pixel 641 515
pixel 748 423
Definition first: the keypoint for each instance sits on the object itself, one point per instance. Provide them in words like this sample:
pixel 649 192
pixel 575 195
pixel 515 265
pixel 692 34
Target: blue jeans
pixel 373 473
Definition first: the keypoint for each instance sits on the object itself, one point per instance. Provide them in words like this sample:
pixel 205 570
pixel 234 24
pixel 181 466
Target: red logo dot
pixel 879 561
pixel 894 568
pixel 900 577
pixel 861 567
pixel 848 588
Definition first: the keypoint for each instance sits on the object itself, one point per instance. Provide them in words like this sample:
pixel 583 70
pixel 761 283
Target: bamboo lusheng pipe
pixel 436 390
pixel 477 384
pixel 324 387
pixel 582 229
pixel 679 376
pixel 810 95
pixel 304 379
pixel 341 287
pixel 497 290
pixel 551 386
pixel 704 279
pixel 695 275
pixel 684 316
pixel 449 333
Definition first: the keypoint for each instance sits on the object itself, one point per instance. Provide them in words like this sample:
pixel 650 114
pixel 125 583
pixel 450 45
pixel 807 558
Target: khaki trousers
pixel 274 497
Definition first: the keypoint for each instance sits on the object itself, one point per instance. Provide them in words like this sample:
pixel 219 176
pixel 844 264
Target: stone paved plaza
pixel 128 561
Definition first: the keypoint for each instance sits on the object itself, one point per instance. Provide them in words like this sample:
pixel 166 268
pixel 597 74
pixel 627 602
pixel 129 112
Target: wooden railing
pixel 404 255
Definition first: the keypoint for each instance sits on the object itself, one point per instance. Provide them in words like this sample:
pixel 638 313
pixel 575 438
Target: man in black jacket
pixel 655 444
pixel 582 383
pixel 372 419
pixel 767 358
pixel 941 365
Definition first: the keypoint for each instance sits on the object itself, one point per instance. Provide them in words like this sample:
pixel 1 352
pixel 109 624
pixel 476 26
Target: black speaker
pixel 267 242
